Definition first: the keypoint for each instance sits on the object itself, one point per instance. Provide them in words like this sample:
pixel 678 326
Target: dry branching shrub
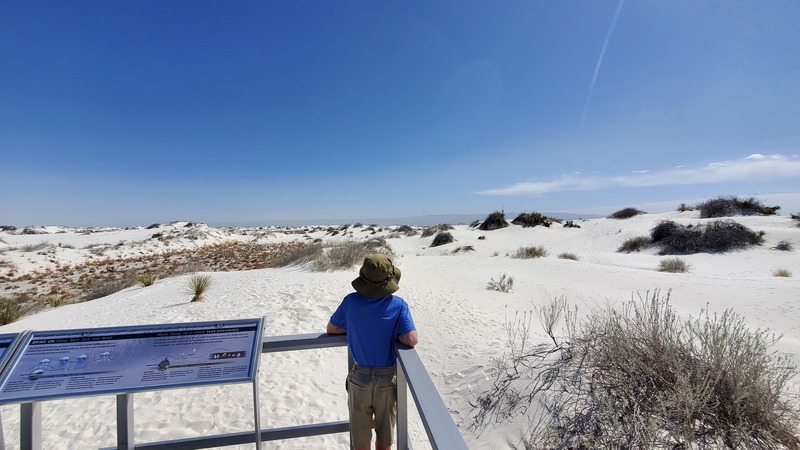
pixel 503 284
pixel 535 251
pixel 640 377
pixel 626 213
pixel 784 246
pixel 533 219
pixel 431 230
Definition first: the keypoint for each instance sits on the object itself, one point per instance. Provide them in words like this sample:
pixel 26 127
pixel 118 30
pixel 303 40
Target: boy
pixel 373 320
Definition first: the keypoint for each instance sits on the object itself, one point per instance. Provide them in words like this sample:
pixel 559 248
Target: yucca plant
pixel 197 286
pixel 12 310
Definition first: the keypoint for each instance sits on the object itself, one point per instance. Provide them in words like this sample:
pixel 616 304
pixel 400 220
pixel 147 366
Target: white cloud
pixel 752 168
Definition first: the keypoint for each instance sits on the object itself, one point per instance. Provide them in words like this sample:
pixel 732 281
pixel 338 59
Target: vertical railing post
pixel 125 439
pixel 30 426
pixel 402 411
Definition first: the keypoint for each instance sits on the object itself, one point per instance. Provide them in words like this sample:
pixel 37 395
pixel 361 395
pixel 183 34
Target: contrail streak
pixel 600 63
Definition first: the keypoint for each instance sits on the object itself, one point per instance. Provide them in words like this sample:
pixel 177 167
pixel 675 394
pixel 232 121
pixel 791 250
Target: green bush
pixel 734 206
pixel 719 236
pixel 442 238
pixel 626 213
pixel 494 221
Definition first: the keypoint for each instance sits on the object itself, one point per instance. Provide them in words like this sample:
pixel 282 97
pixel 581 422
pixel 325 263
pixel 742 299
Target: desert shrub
pixel 783 245
pixel 534 251
pixel 54 301
pixel 718 236
pixel 344 255
pixel 626 213
pixel 442 238
pixel 300 255
pixel 673 265
pixel 532 220
pixel 29 248
pixel 406 230
pixel 571 256
pixel 430 231
pixel 634 244
pixel 494 221
pixel 474 223
pixel 734 206
pixel 464 248
pixel 639 376
pixel 14 309
pixel 685 208
pixel 197 286
pixel 782 273
pixel 503 284
pixel 104 288
pixel 146 279
pixel 571 224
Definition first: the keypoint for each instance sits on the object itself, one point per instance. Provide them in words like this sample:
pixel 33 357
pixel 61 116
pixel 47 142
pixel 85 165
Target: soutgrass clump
pixel 784 246
pixel 674 265
pixel 431 230
pixel 626 213
pixel 197 286
pixel 640 376
pixel 503 284
pixel 567 255
pixel 734 206
pixel 634 244
pixel 534 251
pixel 54 301
pixel 13 309
pixel 494 221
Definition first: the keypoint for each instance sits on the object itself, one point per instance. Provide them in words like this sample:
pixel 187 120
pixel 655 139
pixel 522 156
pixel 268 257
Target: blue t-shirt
pixel 373 325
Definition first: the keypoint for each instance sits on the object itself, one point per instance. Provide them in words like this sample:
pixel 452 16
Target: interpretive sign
pixel 71 363
pixel 8 342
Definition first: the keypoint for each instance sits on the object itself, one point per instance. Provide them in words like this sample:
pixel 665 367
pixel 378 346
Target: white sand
pixel 460 322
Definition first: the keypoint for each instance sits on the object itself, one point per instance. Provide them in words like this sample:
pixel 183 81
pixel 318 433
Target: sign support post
pixel 30 426
pixel 125 422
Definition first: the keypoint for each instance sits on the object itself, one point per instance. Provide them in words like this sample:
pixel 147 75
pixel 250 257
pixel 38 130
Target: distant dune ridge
pixel 468 324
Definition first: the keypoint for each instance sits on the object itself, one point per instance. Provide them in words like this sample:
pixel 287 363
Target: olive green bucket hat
pixel 378 277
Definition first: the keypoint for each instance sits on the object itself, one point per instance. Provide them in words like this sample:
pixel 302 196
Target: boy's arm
pixel 333 329
pixel 410 339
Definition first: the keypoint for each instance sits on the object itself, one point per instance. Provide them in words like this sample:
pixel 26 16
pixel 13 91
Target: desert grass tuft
pixel 535 251
pixel 147 279
pixel 634 244
pixel 197 286
pixel 567 255
pixel 782 273
pixel 54 301
pixel 784 246
pixel 674 265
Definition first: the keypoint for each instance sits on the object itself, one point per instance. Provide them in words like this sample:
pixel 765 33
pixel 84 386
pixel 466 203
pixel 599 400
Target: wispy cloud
pixel 752 168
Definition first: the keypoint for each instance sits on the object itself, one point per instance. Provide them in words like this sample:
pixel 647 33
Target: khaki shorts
pixel 372 402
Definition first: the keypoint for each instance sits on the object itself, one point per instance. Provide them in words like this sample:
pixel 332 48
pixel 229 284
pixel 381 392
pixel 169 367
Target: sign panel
pixel 8 342
pixel 68 363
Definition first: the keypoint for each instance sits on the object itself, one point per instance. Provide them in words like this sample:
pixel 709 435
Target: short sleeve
pixel 339 317
pixel 406 321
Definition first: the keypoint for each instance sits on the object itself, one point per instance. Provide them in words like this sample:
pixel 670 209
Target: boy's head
pixel 378 277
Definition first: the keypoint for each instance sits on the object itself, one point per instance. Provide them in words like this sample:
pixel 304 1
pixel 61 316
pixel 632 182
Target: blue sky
pixel 129 113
